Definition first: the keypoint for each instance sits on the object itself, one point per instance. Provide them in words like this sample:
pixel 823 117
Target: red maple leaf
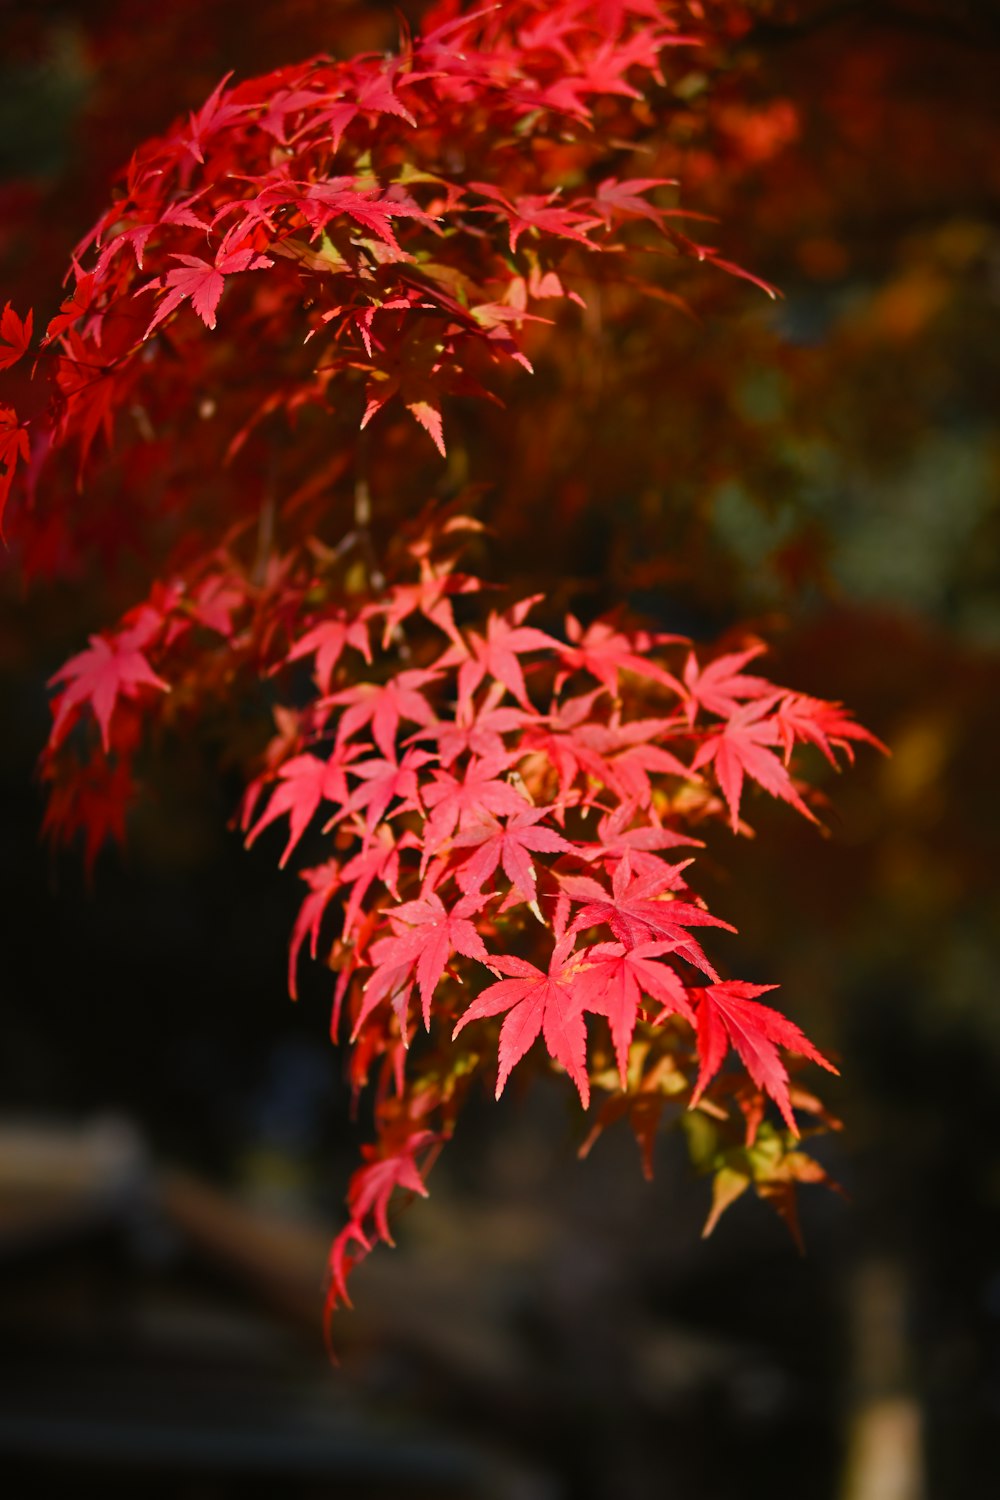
pixel 510 846
pixel 537 211
pixel 14 449
pixel 478 731
pixel 635 914
pixel 616 838
pixel 614 982
pixel 91 389
pixel 815 722
pixel 625 198
pixel 107 670
pixel 537 1004
pixel 333 115
pixel 556 739
pixel 93 802
pixel 324 881
pixel 625 755
pixel 368 1194
pixel 741 748
pixel 547 31
pixel 453 802
pixel 497 653
pixel 218 111
pixel 373 1185
pixel 304 782
pixel 216 599
pixel 327 640
pixel 342 1260
pixel 384 782
pixel 377 861
pixel 15 332
pixel 426 936
pixel 73 307
pixel 729 1013
pixel 202 281
pixel 376 91
pixel 425 408
pixel 607 65
pixel 383 705
pixel 288 101
pixel 723 685
pixel 367 203
pixel 429 597
pixel 604 652
pixel 139 234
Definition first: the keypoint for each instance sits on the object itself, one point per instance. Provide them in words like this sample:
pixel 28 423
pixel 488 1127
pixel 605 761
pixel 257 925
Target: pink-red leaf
pixel 635 914
pixel 202 282
pixel 537 1004
pixel 304 782
pixel 741 747
pixel 614 982
pixel 383 705
pixel 427 934
pixel 728 1013
pixel 15 333
pixel 107 670
pixel 327 641
pixel 510 846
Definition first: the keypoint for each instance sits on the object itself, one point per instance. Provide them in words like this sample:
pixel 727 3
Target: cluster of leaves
pixel 408 211
pixel 498 803
pixel 503 808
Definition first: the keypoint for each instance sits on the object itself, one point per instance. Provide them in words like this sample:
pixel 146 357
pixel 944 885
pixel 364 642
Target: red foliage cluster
pixel 502 807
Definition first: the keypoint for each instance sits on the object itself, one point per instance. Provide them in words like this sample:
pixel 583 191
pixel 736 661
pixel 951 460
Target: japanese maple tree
pixel 496 808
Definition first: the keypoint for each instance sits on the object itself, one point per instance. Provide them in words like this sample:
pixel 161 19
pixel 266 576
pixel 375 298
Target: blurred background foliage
pixel 821 472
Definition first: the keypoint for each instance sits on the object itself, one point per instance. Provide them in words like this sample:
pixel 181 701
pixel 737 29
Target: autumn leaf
pixel 15 333
pixel 220 109
pixel 373 1186
pixel 106 671
pixel 477 731
pixel 617 836
pixel 429 597
pixel 604 652
pixel 202 282
pixel 93 802
pixel 729 1014
pixel 382 1173
pixel 496 654
pixel 14 449
pixel 324 882
pixel 383 705
pixel 625 198
pixel 614 982
pixel 723 685
pixel 426 935
pixel 326 641
pixel 741 747
pixel 635 912
pixel 376 863
pixel 509 845
pixel 303 783
pixel 546 1005
pixel 80 301
pixel 384 782
pixel 829 726
pixel 460 803
pixel 541 213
